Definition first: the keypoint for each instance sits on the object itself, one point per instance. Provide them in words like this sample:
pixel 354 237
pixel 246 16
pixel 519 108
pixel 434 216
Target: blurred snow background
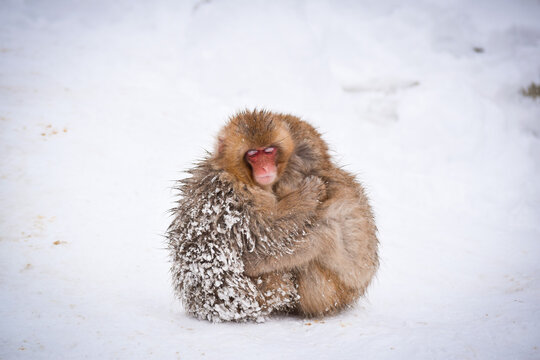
pixel 104 103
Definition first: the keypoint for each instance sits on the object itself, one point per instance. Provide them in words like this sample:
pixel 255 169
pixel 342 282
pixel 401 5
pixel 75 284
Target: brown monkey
pixel 283 163
pixel 226 209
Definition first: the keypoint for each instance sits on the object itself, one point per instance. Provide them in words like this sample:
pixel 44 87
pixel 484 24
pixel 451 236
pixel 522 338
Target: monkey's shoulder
pixel 341 183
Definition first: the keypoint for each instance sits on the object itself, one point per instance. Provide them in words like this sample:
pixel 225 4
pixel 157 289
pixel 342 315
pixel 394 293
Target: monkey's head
pixel 254 147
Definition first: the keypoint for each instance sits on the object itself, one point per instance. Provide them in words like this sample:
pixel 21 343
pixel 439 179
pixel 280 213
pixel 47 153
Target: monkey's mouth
pixel 265 179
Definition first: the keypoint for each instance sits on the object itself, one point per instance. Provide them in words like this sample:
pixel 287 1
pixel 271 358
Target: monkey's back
pixel 205 240
pixel 209 232
pixel 357 251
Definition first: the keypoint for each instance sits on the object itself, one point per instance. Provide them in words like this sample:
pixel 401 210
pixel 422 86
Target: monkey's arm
pixel 308 249
pixel 293 233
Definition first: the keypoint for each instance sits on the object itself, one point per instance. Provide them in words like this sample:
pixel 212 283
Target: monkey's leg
pixel 278 291
pixel 321 291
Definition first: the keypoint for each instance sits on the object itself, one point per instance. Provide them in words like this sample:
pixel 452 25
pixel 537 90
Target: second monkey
pixel 278 158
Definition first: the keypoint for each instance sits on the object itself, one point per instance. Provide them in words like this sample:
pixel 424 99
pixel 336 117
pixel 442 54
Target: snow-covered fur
pixel 206 239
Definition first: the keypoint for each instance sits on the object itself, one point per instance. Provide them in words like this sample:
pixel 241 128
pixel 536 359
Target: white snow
pixel 104 103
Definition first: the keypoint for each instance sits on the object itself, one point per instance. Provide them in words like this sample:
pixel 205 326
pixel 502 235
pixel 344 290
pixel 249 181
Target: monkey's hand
pixel 314 189
pixel 252 264
pixel 263 201
pixel 304 200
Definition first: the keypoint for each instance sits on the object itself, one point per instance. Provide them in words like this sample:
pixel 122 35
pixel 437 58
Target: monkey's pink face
pixel 263 165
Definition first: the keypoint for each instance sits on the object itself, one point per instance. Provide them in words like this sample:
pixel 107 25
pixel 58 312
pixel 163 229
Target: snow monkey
pixel 312 220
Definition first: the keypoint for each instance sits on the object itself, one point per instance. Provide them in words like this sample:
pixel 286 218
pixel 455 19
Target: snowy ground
pixel 103 103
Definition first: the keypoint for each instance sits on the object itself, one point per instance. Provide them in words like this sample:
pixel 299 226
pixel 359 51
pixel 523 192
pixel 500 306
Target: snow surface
pixel 103 103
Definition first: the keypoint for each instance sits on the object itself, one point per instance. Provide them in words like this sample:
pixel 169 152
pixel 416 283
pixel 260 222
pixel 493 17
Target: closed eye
pixel 252 153
pixel 269 150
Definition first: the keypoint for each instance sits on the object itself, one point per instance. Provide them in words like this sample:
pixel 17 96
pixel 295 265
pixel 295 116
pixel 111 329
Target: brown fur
pixel 335 262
